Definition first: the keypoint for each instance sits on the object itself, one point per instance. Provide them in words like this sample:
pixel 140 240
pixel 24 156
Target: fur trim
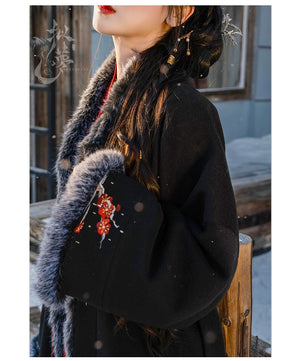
pixel 84 136
pixel 100 130
pixel 68 326
pixel 56 321
pixel 82 119
pixel 34 346
pixel 79 189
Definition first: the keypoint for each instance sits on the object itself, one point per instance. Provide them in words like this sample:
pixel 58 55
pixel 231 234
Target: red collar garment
pixel 107 93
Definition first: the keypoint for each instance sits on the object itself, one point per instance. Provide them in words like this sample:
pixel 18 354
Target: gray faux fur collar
pixel 81 164
pixel 77 142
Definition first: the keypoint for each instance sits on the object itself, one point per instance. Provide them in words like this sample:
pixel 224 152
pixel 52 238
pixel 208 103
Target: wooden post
pixel 235 309
pixel 82 33
pixel 72 81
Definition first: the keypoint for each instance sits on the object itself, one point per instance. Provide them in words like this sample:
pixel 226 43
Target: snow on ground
pixel 261 296
pixel 248 157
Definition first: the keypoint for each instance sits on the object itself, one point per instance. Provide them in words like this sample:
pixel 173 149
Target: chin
pixel 98 25
pixel 100 28
pixel 101 25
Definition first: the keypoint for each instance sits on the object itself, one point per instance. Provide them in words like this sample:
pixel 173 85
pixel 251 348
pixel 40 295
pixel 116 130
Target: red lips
pixel 106 9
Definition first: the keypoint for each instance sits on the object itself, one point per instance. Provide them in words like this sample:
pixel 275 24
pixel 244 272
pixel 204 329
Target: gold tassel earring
pixel 171 58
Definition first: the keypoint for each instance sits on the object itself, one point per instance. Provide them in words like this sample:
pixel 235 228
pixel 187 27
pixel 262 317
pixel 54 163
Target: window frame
pixel 242 91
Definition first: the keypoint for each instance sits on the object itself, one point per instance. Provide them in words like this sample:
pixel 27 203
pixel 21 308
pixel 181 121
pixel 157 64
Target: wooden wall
pixel 73 39
pixel 72 82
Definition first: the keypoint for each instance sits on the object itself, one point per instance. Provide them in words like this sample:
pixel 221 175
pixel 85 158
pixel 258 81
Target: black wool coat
pixel 162 263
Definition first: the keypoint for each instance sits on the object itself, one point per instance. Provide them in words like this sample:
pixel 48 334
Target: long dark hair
pixel 144 107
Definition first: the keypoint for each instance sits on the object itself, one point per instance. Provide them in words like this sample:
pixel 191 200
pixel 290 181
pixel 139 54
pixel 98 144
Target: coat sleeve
pixel 164 263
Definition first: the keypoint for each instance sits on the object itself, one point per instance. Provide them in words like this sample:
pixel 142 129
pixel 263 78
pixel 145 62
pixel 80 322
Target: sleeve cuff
pixel 125 211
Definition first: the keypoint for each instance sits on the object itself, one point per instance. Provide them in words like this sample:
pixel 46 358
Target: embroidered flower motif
pixel 103 227
pixel 104 198
pixel 105 209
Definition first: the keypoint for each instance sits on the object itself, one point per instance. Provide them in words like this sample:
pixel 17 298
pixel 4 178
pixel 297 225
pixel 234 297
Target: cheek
pixel 151 14
pixel 143 19
pixel 157 13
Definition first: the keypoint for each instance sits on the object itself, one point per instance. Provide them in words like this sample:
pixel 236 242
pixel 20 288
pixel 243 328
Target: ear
pixel 172 19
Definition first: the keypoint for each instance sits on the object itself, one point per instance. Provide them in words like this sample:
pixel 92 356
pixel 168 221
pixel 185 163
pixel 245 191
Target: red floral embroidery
pixel 79 227
pixel 105 209
pixel 103 227
pixel 104 198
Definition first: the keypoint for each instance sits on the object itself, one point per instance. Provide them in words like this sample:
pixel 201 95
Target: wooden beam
pixel 82 34
pixel 253 207
pixel 251 189
pixel 259 348
pixel 42 209
pixel 235 309
pixel 63 82
pixel 37 228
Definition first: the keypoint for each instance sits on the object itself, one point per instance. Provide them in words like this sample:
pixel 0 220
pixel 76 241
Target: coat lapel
pixel 83 135
pixel 99 131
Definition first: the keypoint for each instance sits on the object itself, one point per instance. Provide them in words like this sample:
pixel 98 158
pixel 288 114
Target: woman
pixel 143 239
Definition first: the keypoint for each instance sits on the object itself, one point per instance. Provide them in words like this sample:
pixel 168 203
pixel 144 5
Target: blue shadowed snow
pixel 261 296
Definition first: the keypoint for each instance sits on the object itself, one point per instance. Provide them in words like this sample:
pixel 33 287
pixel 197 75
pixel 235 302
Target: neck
pixel 123 54
pixel 126 47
